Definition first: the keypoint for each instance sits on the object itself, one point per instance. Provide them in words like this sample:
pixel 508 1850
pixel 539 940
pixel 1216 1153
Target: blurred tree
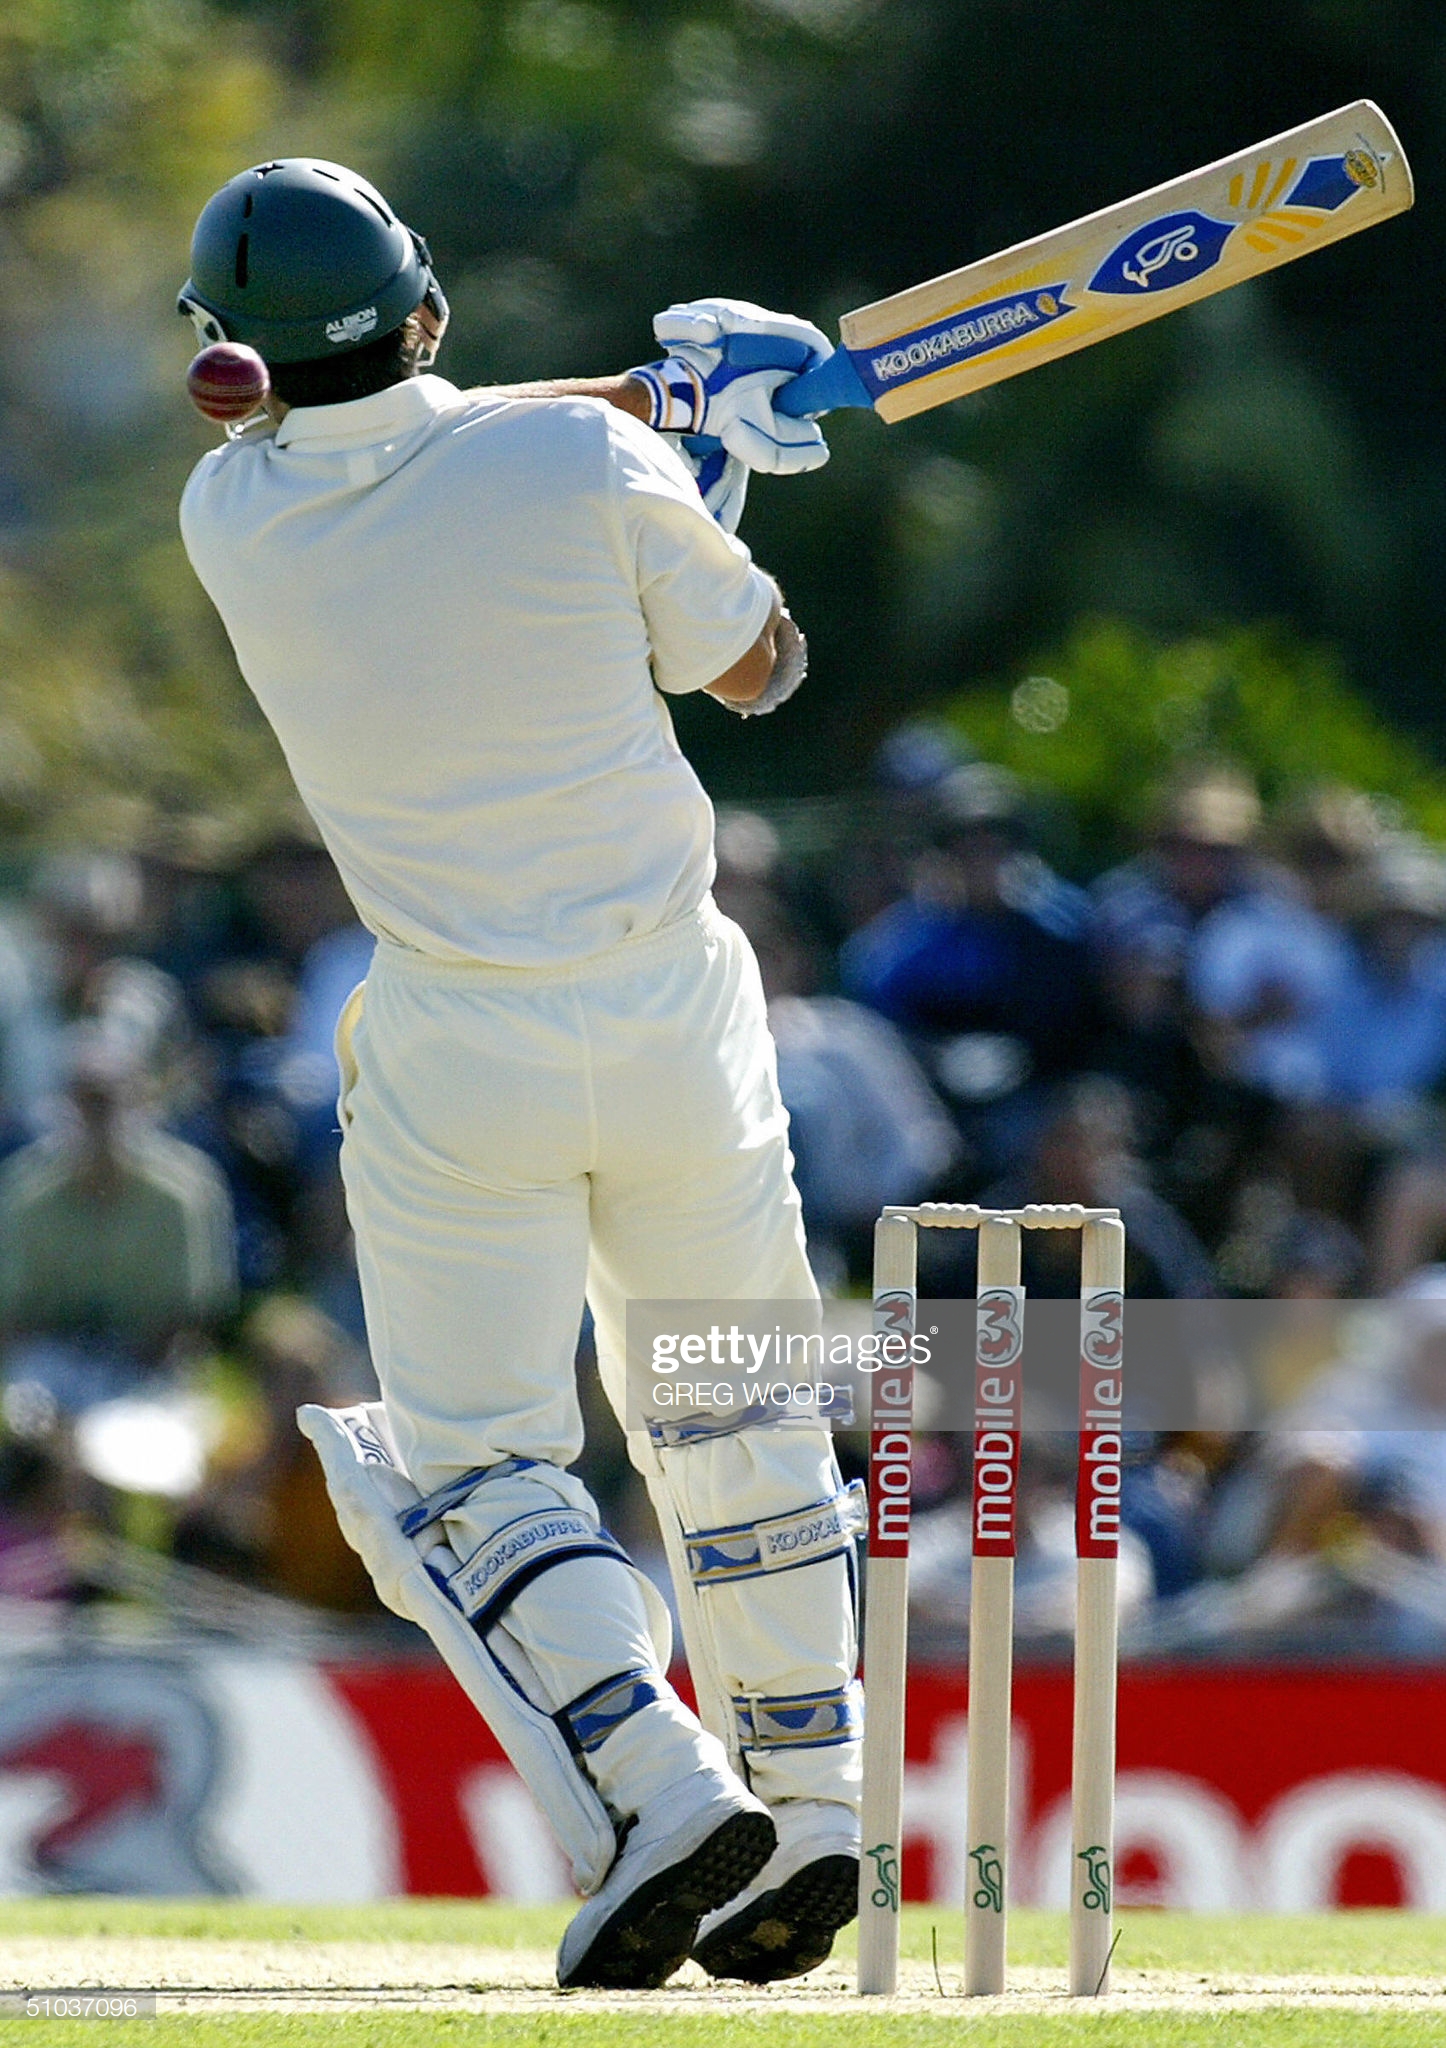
pixel 1103 720
pixel 118 698
pixel 1276 453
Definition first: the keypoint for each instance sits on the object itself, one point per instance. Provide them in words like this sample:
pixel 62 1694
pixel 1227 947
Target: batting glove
pixel 790 666
pixel 722 478
pixel 725 360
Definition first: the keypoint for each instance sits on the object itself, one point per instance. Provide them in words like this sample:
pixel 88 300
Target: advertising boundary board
pixel 1286 1789
pixel 196 1768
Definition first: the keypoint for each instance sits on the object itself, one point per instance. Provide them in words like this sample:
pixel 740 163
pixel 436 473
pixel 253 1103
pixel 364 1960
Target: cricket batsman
pixel 464 612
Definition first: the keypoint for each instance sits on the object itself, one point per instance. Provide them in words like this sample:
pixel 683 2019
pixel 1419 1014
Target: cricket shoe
pixel 691 1851
pixel 783 1925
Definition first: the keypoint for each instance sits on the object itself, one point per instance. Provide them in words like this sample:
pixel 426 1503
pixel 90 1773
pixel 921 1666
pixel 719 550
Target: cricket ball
pixel 227 382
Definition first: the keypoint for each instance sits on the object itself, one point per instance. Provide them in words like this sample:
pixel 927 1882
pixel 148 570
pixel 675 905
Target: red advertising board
pixel 200 1768
pixel 1287 1790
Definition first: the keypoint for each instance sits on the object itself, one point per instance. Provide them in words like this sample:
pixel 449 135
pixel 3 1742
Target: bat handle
pixel 827 387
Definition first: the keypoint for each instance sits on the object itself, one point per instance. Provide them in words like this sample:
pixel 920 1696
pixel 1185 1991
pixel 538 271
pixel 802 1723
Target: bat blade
pixel 1115 269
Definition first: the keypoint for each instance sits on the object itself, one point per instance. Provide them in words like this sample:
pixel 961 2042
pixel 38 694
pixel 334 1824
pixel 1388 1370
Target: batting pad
pixel 369 1491
pixel 759 1532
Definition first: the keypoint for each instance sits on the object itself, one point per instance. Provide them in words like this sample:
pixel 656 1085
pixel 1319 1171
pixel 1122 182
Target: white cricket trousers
pixel 517 1138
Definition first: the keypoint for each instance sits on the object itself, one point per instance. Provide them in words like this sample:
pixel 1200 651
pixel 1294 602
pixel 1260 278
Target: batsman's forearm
pixel 624 391
pixel 749 675
pixel 785 652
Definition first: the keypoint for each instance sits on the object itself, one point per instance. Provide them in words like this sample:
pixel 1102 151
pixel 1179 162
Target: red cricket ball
pixel 227 382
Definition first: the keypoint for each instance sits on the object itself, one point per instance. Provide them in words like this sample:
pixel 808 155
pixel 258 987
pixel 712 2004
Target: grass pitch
pixel 441 1974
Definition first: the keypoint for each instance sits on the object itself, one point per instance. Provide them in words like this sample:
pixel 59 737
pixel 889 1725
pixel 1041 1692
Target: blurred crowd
pixel 176 1272
pixel 1237 1036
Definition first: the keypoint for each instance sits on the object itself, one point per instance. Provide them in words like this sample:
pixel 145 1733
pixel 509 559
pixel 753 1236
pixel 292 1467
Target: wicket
pixel 998 1385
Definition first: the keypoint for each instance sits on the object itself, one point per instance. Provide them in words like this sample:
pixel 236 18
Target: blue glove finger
pixel 765 352
pixel 710 469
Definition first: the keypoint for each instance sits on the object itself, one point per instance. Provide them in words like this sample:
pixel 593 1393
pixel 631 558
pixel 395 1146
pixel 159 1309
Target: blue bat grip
pixel 831 385
pixel 827 387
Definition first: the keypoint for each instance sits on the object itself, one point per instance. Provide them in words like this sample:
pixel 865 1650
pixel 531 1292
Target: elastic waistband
pixel 707 922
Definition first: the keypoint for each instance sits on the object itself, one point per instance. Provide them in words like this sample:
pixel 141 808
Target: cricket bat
pixel 1113 270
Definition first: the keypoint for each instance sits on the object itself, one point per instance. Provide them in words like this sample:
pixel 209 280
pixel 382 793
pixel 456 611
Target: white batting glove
pixel 725 360
pixel 722 479
pixel 790 666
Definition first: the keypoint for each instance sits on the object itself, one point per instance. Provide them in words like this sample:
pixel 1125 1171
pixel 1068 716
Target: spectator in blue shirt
pixel 985 962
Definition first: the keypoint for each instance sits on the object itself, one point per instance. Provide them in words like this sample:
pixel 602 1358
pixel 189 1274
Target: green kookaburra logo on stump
pixel 1095 1898
pixel 990 1869
pixel 886 1873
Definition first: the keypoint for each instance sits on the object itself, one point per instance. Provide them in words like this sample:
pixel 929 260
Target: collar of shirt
pixel 361 422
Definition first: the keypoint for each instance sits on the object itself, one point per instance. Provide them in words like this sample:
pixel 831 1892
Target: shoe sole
pixel 787 1932
pixel 651 1933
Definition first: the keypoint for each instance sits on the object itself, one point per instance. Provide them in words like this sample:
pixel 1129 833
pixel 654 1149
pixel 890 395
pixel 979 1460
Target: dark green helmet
pixel 302 259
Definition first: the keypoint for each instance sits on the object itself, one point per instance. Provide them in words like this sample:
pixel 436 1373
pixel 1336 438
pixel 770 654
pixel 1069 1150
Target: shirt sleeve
pixel 703 599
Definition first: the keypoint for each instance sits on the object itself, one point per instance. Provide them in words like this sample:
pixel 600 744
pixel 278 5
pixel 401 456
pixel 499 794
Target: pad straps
pixel 827 1528
pixel 834 1404
pixel 803 1720
pixel 586 1722
pixel 433 1506
pixel 496 1572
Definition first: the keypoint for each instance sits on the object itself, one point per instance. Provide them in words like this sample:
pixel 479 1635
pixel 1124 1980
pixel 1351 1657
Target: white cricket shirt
pixel 453 608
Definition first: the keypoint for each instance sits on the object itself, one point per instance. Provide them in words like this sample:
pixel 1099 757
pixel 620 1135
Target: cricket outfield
pixel 233 1975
